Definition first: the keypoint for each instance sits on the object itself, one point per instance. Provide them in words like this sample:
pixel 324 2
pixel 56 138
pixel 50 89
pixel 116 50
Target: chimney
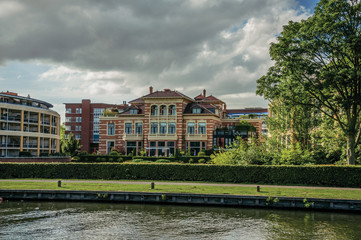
pixel 204 92
pixel 150 89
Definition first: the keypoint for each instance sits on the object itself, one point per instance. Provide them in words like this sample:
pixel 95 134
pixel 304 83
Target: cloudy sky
pixel 112 51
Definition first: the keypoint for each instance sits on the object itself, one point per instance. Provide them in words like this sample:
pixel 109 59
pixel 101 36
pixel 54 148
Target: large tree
pixel 318 64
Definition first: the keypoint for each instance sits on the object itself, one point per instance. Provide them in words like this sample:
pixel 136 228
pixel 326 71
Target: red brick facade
pixel 79 119
pixel 151 124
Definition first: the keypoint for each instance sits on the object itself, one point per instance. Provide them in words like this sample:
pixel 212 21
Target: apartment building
pixel 163 121
pixel 82 119
pixel 27 124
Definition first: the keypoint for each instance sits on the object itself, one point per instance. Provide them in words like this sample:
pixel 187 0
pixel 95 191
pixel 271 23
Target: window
pixel 128 128
pixel 111 129
pixel 78 110
pixel 77 128
pixel 190 128
pixel 163 110
pixel 196 110
pixel 68 119
pixel 163 128
pixel 110 146
pixel 172 110
pixel 67 128
pixel 131 147
pixel 68 110
pixel 171 128
pixel 153 128
pixel 170 148
pixel 154 110
pixel 78 119
pixel 77 136
pixel 133 111
pixel 139 128
pixel 201 128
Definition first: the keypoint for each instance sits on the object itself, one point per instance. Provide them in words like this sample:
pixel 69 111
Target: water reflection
pixel 69 220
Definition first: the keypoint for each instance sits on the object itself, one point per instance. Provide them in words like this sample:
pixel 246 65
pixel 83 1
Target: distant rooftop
pixel 14 98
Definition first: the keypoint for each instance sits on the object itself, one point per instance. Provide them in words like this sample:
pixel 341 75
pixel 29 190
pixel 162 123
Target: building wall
pixel 28 128
pixel 84 129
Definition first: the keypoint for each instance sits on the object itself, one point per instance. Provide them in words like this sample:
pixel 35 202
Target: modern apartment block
pixel 163 121
pixel 82 119
pixel 27 124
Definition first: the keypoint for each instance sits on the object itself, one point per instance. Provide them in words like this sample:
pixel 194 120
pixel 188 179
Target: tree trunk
pixel 351 158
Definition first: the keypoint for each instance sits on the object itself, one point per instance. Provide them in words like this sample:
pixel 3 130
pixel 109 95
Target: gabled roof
pixel 167 94
pixel 127 111
pixel 137 101
pixel 199 97
pixel 190 106
pixel 212 98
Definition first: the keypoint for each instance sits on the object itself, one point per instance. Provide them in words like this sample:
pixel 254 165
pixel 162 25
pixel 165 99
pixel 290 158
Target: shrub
pixel 120 159
pixel 114 153
pixel 201 153
pixel 83 153
pixel 191 160
pixel 340 176
pixel 137 160
pixel 162 161
pixel 202 160
pixel 75 158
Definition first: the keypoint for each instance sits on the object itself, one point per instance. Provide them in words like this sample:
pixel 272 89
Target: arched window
pixel 154 110
pixel 172 110
pixel 163 110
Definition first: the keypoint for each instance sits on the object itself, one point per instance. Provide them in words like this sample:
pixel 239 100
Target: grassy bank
pixel 194 188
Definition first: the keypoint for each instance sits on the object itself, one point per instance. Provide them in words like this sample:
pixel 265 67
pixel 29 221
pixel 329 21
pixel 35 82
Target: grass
pixel 194 188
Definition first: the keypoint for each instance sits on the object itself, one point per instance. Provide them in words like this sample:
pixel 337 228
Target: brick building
pixel 163 121
pixel 82 119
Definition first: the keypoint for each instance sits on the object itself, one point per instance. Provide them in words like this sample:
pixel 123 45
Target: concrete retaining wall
pixel 191 199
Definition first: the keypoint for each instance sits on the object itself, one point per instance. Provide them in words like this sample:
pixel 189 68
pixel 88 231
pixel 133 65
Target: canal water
pixel 74 220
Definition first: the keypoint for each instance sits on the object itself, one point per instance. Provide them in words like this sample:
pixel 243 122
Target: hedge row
pixel 122 158
pixel 341 176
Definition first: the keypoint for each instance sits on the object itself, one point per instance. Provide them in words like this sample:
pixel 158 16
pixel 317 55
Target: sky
pixel 112 51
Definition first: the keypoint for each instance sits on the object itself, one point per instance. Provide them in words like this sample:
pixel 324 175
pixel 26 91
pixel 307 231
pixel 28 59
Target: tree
pixel 70 146
pixel 318 64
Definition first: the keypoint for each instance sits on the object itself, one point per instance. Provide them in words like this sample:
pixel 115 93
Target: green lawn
pixel 198 189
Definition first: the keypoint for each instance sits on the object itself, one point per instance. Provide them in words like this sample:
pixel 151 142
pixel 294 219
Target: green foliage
pixel 201 153
pixel 294 156
pixel 243 153
pixel 341 176
pixel 317 65
pixel 70 146
pixel 162 161
pixel 244 126
pixel 114 153
pixel 202 160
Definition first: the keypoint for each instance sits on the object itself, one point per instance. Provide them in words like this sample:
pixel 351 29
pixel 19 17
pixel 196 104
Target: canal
pixel 75 220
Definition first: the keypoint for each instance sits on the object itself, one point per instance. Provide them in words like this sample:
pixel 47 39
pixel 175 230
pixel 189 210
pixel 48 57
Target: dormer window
pixel 196 110
pixel 133 111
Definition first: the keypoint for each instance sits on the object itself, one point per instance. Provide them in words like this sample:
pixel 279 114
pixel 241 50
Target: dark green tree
pixel 318 64
pixel 70 146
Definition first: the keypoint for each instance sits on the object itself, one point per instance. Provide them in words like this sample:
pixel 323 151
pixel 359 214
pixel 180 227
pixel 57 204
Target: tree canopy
pixel 318 64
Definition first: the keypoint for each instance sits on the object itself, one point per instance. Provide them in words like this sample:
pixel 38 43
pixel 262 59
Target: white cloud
pixel 110 51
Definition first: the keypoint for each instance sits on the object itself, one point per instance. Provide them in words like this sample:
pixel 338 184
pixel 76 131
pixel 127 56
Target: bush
pixel 162 161
pixel 202 160
pixel 83 153
pixel 114 153
pixel 340 176
pixel 137 160
pixel 201 153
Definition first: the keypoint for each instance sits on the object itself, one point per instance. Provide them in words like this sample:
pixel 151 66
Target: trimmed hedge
pixel 106 158
pixel 341 176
